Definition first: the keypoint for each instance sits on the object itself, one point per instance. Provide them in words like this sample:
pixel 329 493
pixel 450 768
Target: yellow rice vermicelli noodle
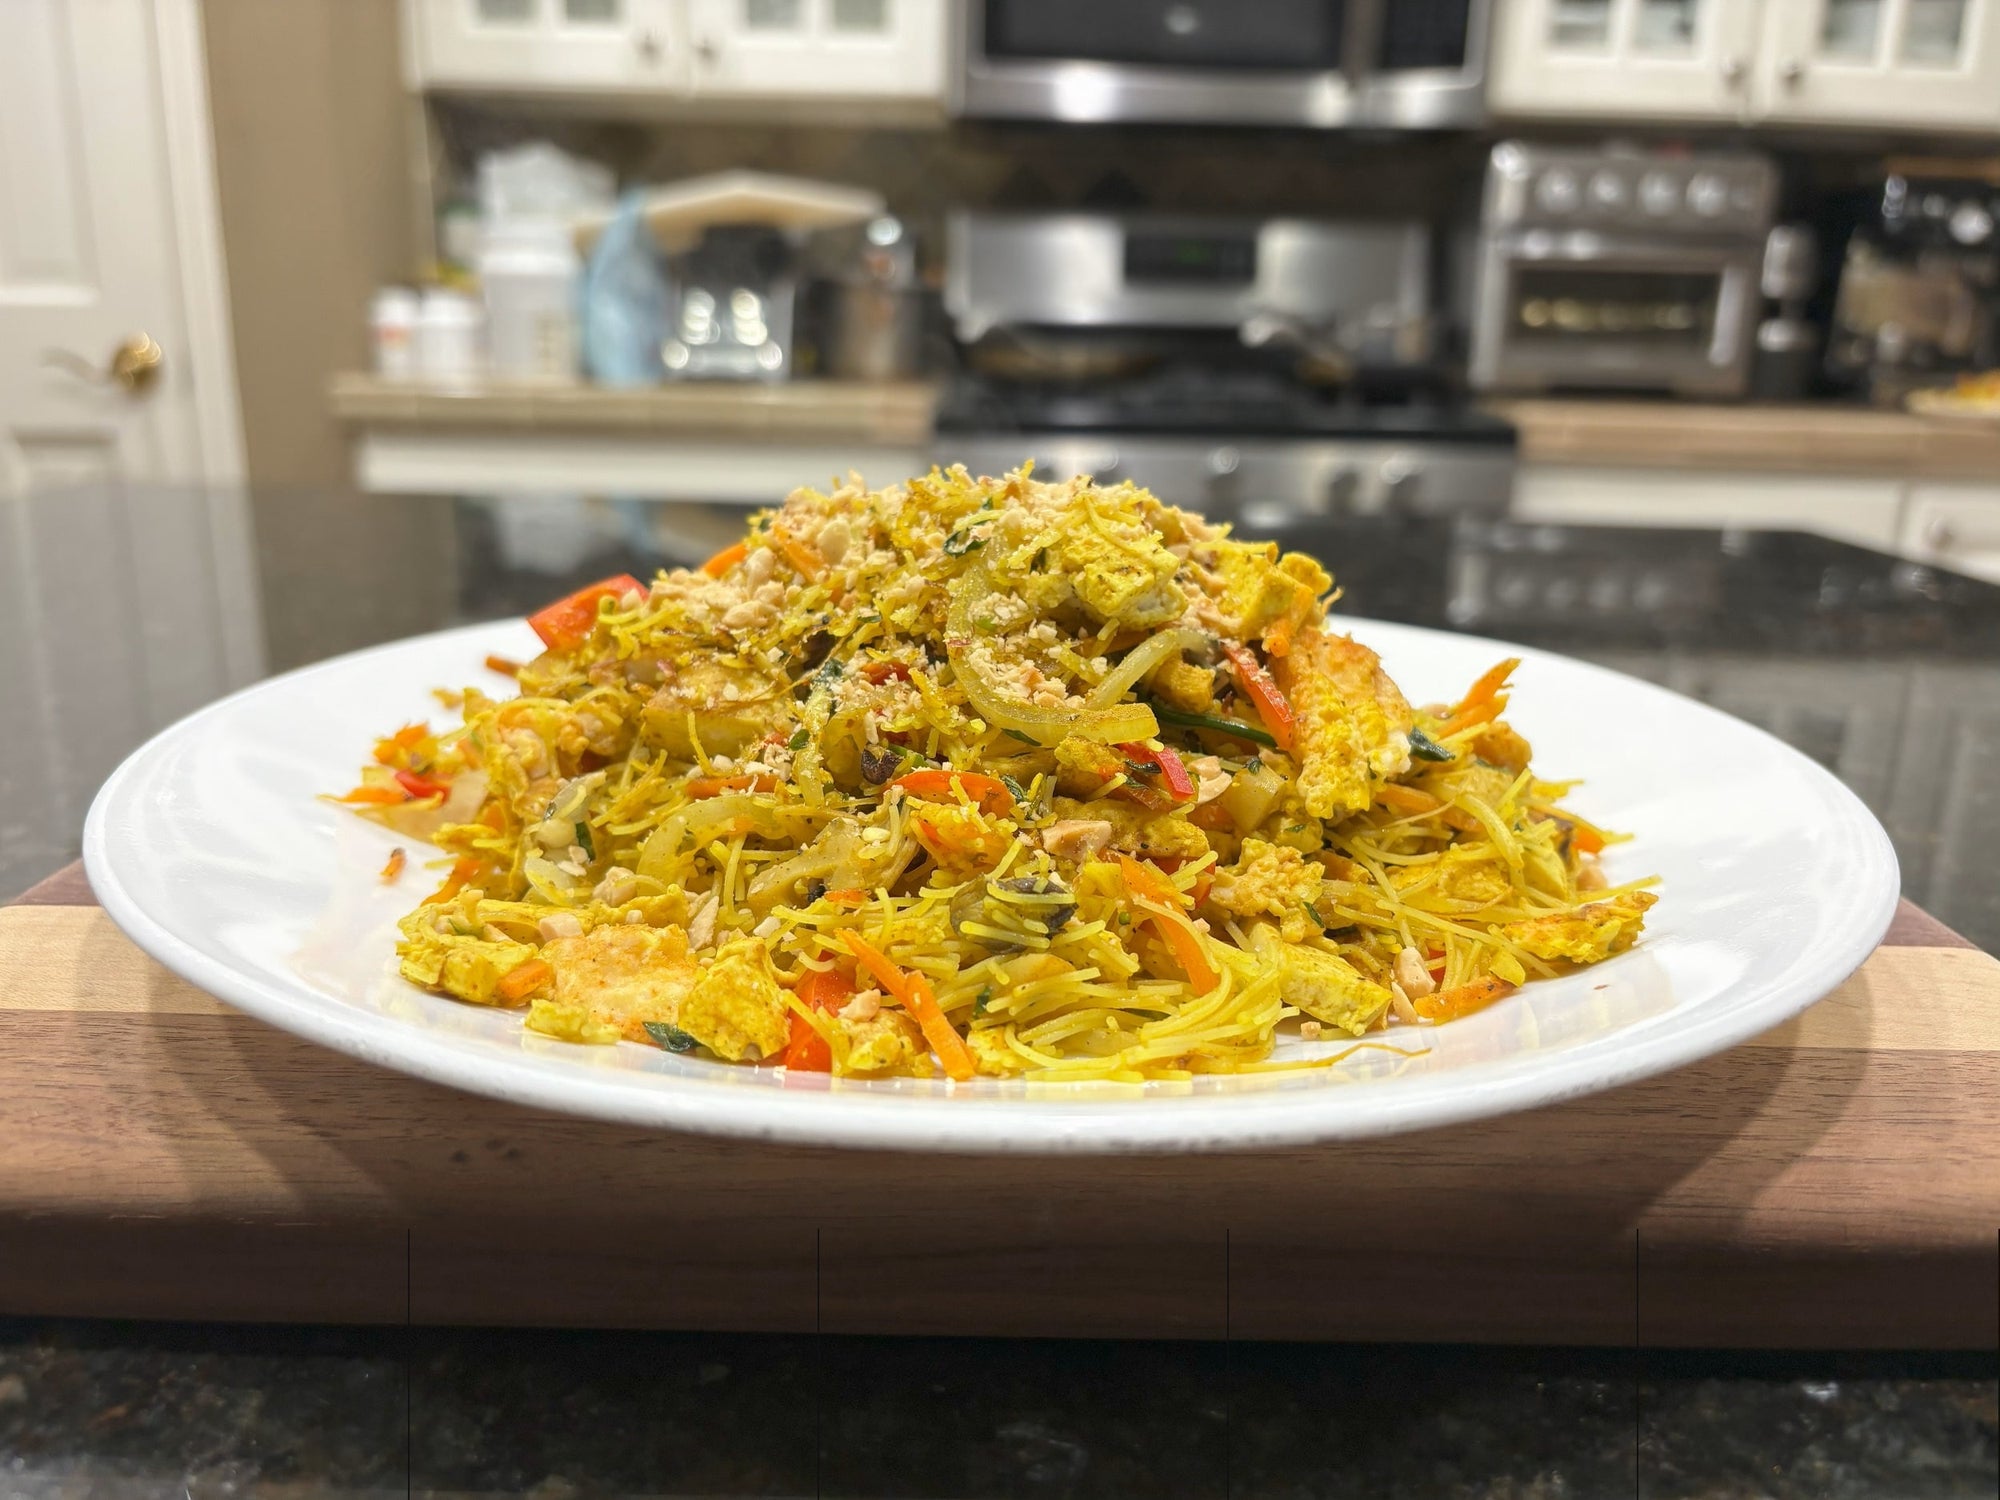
pixel 988 777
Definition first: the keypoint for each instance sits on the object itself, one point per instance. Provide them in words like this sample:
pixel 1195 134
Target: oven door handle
pixel 1620 252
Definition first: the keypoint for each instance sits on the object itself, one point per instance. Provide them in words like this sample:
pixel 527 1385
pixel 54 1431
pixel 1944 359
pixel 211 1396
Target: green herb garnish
pixel 1026 739
pixel 671 1037
pixel 1242 731
pixel 583 841
pixel 1254 764
pixel 1014 789
pixel 961 542
pixel 799 740
pixel 1423 747
pixel 985 997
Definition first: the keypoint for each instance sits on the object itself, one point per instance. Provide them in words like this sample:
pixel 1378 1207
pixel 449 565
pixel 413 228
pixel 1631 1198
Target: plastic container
pixel 392 326
pixel 448 338
pixel 528 270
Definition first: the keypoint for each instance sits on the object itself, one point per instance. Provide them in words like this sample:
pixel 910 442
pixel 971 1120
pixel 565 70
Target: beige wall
pixel 313 141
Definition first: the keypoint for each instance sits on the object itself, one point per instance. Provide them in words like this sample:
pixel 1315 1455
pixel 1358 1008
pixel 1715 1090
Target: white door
pixel 547 46
pixel 819 49
pixel 1919 63
pixel 1623 59
pixel 127 586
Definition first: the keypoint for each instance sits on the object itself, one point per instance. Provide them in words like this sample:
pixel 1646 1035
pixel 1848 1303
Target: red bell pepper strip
pixel 825 990
pixel 421 787
pixel 569 622
pixel 1271 705
pixel 1179 785
pixel 988 794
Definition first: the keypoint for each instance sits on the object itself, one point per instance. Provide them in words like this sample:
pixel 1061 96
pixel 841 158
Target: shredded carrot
pixel 846 896
pixel 1587 840
pixel 921 1002
pixel 1160 902
pixel 1464 999
pixel 1278 638
pixel 505 666
pixel 524 979
pixel 800 556
pixel 375 796
pixel 460 877
pixel 726 559
pixel 1407 799
pixel 1489 684
pixel 394 868
pixel 1472 716
pixel 715 786
pixel 397 746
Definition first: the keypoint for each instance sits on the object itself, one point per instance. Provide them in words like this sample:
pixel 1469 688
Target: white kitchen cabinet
pixel 1865 510
pixel 631 47
pixel 1954 525
pixel 1914 63
pixel 1623 59
pixel 786 49
pixel 687 52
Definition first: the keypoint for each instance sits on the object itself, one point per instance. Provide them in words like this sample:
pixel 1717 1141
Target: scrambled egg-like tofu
pixel 1261 588
pixel 1183 685
pixel 1353 722
pixel 1269 880
pixel 1323 985
pixel 612 980
pixel 1588 934
pixel 1134 830
pixel 732 709
pixel 464 965
pixel 1477 881
pixel 888 1043
pixel 736 1009
pixel 1119 570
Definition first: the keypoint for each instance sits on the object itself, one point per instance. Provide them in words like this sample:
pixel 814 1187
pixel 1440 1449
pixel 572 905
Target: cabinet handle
pixel 648 43
pixel 1733 71
pixel 1939 535
pixel 1791 70
pixel 707 51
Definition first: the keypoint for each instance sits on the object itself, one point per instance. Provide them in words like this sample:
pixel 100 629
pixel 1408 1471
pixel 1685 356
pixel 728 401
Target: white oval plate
pixel 209 848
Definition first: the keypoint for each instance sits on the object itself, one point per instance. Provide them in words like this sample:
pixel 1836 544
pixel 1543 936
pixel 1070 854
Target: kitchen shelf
pixel 1824 438
pixel 713 440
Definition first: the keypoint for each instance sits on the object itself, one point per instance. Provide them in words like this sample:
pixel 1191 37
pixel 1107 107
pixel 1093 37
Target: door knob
pixel 134 366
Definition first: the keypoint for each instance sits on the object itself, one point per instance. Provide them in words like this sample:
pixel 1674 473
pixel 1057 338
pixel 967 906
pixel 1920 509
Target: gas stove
pixel 1273 374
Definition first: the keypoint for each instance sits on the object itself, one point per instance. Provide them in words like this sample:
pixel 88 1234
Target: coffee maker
pixel 1919 292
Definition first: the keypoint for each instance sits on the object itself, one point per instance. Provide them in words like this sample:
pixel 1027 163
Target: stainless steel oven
pixel 1410 64
pixel 1619 271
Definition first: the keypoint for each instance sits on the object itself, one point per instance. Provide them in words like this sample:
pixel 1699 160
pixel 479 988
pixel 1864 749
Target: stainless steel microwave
pixel 1402 64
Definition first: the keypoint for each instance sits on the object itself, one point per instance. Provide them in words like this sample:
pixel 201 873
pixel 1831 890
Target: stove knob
pixel 1401 486
pixel 1557 191
pixel 1223 465
pixel 1659 193
pixel 1224 460
pixel 1708 194
pixel 1607 191
pixel 1341 488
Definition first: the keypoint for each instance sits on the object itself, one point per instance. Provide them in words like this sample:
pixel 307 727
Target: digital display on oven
pixel 1206 259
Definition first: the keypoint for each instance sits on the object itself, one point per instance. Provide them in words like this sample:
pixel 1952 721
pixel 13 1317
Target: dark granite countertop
pixel 116 1411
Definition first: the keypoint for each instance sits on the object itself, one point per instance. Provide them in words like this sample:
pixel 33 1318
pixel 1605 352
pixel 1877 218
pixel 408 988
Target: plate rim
pixel 1254 1120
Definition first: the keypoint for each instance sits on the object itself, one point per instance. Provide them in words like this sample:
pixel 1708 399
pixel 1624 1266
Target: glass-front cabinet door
pixel 627 46
pixel 1923 63
pixel 1623 59
pixel 793 49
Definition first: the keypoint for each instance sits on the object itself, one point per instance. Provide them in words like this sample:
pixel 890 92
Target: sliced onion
pixel 997 704
pixel 1141 659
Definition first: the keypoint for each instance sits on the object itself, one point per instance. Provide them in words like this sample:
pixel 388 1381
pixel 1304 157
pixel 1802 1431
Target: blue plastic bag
pixel 625 301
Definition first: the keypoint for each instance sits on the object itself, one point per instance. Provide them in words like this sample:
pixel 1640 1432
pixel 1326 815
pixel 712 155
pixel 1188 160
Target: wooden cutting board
pixel 1834 1182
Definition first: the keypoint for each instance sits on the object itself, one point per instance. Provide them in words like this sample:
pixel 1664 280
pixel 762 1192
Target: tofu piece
pixel 1477 882
pixel 1323 985
pixel 736 1009
pixel 1122 572
pixel 1134 830
pixel 464 966
pixel 1353 722
pixel 727 725
pixel 1268 880
pixel 1083 766
pixel 1183 685
pixel 613 980
pixel 889 1044
pixel 1587 935
pixel 1260 588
